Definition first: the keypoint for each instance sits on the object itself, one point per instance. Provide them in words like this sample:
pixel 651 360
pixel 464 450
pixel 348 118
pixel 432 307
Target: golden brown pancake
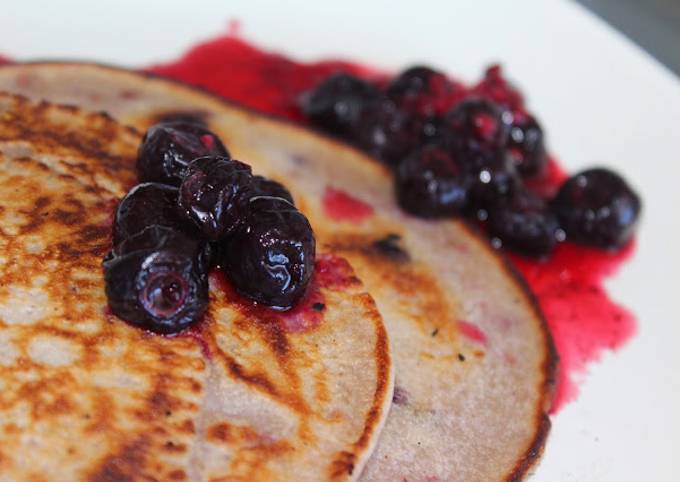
pixel 245 396
pixel 474 360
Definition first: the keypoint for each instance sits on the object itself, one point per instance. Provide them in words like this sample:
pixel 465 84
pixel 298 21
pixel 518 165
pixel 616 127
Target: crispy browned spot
pixel 123 466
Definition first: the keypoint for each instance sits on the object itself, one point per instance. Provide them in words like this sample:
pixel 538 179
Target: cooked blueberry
pixel 168 148
pixel 525 145
pixel 525 224
pixel 211 195
pixel 261 186
pixel 163 289
pixel 420 90
pixel 493 179
pixel 335 105
pixel 431 183
pixel 477 127
pixel 431 129
pixel 157 237
pixel 386 132
pixel 270 257
pixel 597 207
pixel 147 204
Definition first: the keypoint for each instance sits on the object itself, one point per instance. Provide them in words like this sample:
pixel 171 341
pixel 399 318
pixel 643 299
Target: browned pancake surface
pixel 474 360
pixel 84 396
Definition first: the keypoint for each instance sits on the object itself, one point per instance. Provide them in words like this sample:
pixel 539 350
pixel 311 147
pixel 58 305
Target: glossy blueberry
pixel 598 208
pixel 147 204
pixel 420 90
pixel 270 256
pixel 525 145
pixel 386 132
pixel 525 224
pixel 336 103
pixel 493 179
pixel 168 148
pixel 477 127
pixel 431 130
pixel 431 183
pixel 155 236
pixel 261 186
pixel 159 281
pixel 211 195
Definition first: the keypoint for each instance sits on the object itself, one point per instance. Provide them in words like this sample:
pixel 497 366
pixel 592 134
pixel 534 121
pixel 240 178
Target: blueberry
pixel 336 104
pixel 493 179
pixel 156 236
pixel 526 147
pixel 211 195
pixel 598 208
pixel 386 132
pixel 261 186
pixel 477 127
pixel 525 224
pixel 168 148
pixel 147 204
pixel 420 90
pixel 431 183
pixel 431 129
pixel 159 282
pixel 270 256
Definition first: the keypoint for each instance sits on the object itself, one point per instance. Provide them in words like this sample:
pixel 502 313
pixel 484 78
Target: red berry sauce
pixel 261 80
pixel 583 319
pixel 340 206
pixel 471 332
pixel 330 272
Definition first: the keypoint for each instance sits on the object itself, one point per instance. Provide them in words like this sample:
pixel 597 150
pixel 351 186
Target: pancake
pixel 244 396
pixel 474 360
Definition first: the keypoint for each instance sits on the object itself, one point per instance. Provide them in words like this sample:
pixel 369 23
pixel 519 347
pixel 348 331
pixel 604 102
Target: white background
pixel 600 98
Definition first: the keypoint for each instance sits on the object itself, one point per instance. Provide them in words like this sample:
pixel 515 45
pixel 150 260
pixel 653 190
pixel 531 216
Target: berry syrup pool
pixel 569 285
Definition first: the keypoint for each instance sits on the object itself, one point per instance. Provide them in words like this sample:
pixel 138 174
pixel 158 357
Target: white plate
pixel 601 99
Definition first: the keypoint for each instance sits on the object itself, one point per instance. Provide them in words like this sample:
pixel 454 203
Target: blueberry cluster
pixel 470 152
pixel 196 208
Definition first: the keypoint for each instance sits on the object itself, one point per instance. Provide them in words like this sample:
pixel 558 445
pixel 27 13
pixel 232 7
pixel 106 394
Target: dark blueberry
pixel 525 224
pixel 156 236
pixel 431 183
pixel 477 127
pixel 270 257
pixel 431 129
pixel 211 195
pixel 493 179
pixel 598 208
pixel 163 288
pixel 526 147
pixel 386 132
pixel 168 148
pixel 147 204
pixel 420 90
pixel 336 104
pixel 261 186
